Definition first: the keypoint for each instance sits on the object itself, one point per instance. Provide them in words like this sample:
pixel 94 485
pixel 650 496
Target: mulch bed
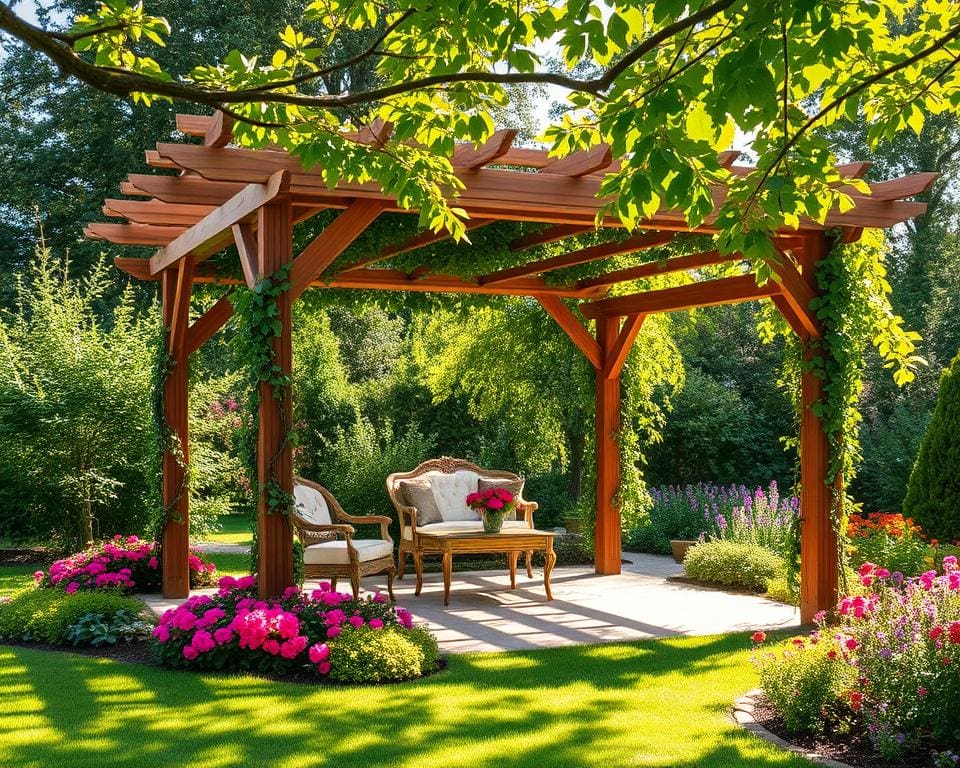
pixel 854 749
pixel 29 556
pixel 139 652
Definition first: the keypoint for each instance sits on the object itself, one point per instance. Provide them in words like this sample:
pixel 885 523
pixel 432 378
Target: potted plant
pixel 679 547
pixel 493 504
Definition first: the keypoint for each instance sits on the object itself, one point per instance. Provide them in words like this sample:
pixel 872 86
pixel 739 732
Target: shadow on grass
pixel 661 703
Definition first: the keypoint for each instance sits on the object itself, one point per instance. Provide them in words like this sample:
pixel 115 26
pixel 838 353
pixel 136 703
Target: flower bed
pixel 894 542
pixel 326 634
pixel 124 562
pixel 889 668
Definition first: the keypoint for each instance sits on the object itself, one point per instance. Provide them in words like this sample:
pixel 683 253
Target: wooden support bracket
pixel 180 315
pixel 211 321
pixel 617 356
pixel 579 335
pixel 246 240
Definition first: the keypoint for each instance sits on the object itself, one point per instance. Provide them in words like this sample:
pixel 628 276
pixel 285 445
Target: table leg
pixel 529 556
pixel 447 570
pixel 512 559
pixel 418 567
pixel 551 558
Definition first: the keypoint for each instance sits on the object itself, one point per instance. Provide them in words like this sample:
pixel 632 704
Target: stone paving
pixel 486 615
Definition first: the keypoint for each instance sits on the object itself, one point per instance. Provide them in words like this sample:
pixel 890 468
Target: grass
pixel 14 577
pixel 230 564
pixel 655 703
pixel 234 529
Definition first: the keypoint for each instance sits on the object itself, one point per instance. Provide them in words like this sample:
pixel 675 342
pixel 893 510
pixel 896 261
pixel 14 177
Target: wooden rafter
pixel 581 163
pixel 157 212
pixel 132 234
pixel 727 290
pixel 653 268
pixel 219 132
pixel 551 235
pixel 579 335
pixel 206 237
pixel 583 256
pixel 331 242
pixel 617 356
pixel 468 157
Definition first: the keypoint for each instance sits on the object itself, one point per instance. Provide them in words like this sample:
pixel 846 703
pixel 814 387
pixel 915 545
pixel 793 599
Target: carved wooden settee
pixel 432 497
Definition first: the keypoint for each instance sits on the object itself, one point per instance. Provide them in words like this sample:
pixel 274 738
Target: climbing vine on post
pixel 258 327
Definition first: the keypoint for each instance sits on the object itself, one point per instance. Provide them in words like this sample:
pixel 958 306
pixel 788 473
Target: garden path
pixel 485 615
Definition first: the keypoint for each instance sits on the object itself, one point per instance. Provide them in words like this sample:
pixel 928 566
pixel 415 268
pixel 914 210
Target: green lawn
pixel 14 577
pixel 229 564
pixel 655 703
pixel 234 529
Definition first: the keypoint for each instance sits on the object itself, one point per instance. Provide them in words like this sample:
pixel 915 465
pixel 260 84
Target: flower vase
pixel 492 521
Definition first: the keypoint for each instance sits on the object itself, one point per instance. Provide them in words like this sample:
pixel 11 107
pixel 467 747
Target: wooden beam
pixel 377 134
pixel 906 186
pixel 191 190
pixel 798 294
pixel 468 157
pixel 819 566
pixel 551 235
pixel 205 237
pixel 728 158
pixel 219 132
pixel 579 335
pixel 132 234
pixel 331 242
pixel 727 290
pixel 153 159
pixel 790 315
pixel 193 125
pixel 156 212
pixel 660 267
pixel 138 268
pixel 274 449
pixel 204 327
pixel 614 359
pixel 607 542
pixel 581 163
pixel 583 256
pixel 418 241
pixel 395 280
pixel 246 241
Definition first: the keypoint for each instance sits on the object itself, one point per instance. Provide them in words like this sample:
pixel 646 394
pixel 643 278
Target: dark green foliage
pixel 108 629
pixel 365 655
pixel 48 615
pixel 933 494
pixel 734 563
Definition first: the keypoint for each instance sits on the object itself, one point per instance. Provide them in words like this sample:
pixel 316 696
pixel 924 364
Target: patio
pixel 639 603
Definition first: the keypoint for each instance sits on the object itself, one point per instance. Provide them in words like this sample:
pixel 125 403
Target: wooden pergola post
pixel 818 541
pixel 607 534
pixel 175 538
pixel 275 555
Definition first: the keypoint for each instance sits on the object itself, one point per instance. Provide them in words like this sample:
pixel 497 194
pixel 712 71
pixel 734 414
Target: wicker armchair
pixel 329 549
pixel 409 527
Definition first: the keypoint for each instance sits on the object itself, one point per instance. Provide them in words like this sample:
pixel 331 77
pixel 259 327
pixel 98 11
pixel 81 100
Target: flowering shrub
pixel 124 562
pixel 899 645
pixel 890 540
pixel 732 512
pixel 297 634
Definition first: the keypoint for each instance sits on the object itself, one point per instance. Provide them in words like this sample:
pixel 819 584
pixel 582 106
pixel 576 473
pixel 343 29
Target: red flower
pixel 758 637
pixel 851 644
pixel 856 700
pixel 936 632
pixel 953 631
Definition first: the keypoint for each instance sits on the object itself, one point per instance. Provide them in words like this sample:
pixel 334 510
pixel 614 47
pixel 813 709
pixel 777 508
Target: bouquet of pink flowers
pixel 496 500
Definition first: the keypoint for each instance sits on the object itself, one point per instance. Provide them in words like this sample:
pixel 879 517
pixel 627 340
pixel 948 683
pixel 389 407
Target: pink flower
pixel 223 635
pixel 472 498
pixel 866 569
pixel 72 587
pixel 334 631
pixel 376 624
pixel 758 637
pixel 38 575
pixel 950 563
pixel 323 667
pixel 921 691
pixel 851 644
pixel 357 621
pixel 161 633
pixel 290 649
pixel 504 494
pixel 271 646
pixel 319 652
pixel 189 652
pixel 379 598
pixel 202 641
pixel 495 503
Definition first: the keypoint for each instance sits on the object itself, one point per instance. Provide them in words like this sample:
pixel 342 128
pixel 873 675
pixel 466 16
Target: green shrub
pixel 733 563
pixel 803 680
pixel 48 615
pixel 100 629
pixel 778 588
pixel 933 493
pixel 365 655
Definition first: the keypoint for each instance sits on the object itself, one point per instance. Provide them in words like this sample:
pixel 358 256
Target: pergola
pixel 226 196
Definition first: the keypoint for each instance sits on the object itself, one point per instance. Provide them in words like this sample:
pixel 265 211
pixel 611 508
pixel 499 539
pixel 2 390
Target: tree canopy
pixel 666 84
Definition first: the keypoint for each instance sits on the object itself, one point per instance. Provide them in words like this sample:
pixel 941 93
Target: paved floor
pixel 485 615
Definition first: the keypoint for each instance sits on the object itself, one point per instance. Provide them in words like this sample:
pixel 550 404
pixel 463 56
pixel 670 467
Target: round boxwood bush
pixel 366 655
pixel 48 615
pixel 733 563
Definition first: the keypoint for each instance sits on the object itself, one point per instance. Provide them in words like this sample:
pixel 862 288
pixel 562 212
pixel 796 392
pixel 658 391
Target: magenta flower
pixel 318 653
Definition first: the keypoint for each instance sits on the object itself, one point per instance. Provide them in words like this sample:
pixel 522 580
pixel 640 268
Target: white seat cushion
pixel 467 526
pixel 335 552
pixel 311 505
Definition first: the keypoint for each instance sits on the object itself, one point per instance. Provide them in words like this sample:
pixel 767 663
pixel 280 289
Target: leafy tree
pixel 933 494
pixel 76 432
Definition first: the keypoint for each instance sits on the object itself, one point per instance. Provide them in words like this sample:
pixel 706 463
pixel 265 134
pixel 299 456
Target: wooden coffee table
pixel 511 541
